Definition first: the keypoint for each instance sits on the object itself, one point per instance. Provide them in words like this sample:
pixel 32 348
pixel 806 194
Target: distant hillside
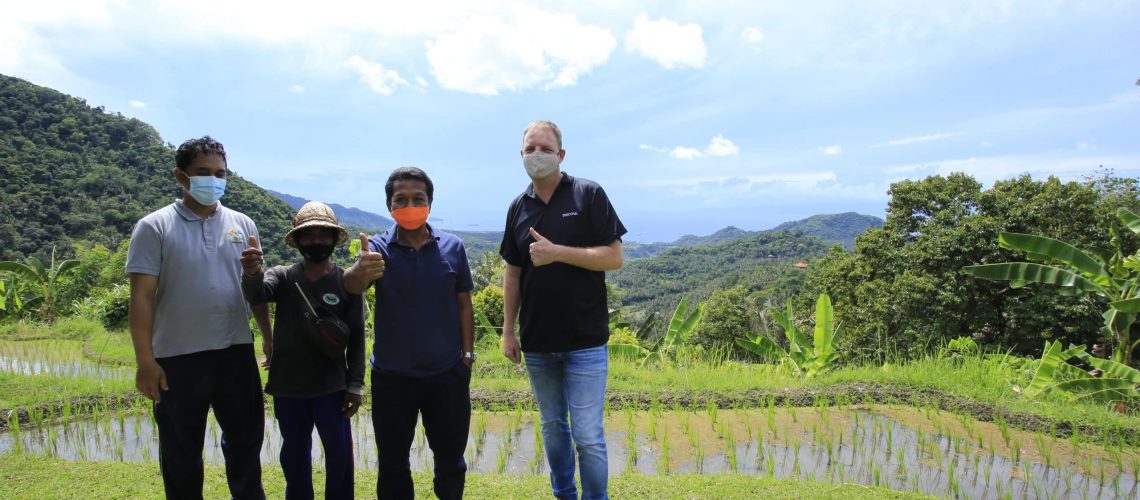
pixel 836 228
pixel 842 228
pixel 354 217
pixel 762 262
pixel 76 173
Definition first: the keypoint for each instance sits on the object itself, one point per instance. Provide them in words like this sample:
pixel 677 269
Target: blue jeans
pixel 572 383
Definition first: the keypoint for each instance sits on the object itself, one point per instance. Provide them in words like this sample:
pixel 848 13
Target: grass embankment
pixel 44 478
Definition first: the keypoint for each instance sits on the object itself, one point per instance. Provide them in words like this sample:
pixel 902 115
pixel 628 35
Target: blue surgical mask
pixel 207 189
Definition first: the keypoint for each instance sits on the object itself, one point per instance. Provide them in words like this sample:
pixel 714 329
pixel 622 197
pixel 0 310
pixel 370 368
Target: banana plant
pixel 1116 278
pixel 45 280
pixel 1116 382
pixel 682 324
pixel 808 357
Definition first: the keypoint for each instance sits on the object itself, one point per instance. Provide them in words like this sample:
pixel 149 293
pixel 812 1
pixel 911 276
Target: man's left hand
pixel 351 404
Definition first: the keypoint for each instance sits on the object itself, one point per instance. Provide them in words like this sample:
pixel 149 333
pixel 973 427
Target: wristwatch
pixel 469 355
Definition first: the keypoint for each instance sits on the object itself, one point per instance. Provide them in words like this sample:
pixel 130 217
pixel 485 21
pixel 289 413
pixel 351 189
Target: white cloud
pixel 831 150
pixel 753 36
pixel 488 55
pixel 421 84
pixel 683 153
pixel 380 79
pixel 672 45
pixel 718 146
pixel 137 104
pixel 921 138
pixel 296 89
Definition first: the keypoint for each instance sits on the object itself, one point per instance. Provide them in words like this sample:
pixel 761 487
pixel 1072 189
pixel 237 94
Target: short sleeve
pixel 508 248
pixel 144 256
pixel 605 226
pixel 463 281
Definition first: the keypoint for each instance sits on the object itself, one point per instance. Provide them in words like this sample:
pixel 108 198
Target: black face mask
pixel 317 253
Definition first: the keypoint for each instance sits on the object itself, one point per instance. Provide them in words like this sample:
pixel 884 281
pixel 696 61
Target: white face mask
pixel 540 165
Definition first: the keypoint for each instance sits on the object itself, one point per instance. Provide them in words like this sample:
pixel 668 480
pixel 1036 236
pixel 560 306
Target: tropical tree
pixel 808 357
pixel 681 326
pixel 43 281
pixel 1110 275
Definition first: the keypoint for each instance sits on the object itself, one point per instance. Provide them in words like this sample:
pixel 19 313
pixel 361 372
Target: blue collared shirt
pixel 417 311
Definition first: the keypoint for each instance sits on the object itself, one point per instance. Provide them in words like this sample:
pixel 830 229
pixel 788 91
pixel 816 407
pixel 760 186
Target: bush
pixel 489 301
pixel 108 306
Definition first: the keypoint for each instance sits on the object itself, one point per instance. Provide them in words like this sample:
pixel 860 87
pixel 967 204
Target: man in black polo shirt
pixel 561 236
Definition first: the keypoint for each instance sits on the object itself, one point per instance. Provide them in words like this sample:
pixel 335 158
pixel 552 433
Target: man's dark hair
pixel 190 150
pixel 407 174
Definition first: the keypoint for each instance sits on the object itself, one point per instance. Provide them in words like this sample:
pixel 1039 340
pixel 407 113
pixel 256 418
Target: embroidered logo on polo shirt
pixel 568 214
pixel 331 299
pixel 235 235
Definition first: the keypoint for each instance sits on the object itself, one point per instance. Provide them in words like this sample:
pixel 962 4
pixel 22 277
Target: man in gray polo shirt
pixel 190 327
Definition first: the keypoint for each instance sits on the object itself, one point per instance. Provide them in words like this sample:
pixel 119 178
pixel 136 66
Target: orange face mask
pixel 411 218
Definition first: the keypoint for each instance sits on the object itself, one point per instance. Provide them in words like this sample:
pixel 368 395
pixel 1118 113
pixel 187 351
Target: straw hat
pixel 315 214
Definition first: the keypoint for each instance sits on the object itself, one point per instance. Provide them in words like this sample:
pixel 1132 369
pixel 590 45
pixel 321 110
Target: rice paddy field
pixel 934 427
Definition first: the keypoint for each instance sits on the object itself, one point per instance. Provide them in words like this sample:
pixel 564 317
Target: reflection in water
pixel 875 450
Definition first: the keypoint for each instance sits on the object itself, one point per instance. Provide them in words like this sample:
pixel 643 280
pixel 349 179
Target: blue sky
pixel 693 115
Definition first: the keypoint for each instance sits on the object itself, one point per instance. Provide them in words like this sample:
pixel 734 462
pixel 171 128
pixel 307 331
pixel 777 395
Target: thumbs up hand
pixel 542 251
pixel 252 257
pixel 371 264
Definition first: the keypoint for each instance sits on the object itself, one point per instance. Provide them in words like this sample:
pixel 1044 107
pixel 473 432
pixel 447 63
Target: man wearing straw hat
pixel 190 327
pixel 424 348
pixel 316 370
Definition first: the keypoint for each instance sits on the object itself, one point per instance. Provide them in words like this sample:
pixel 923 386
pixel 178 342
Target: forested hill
pixel 73 173
pixel 839 228
pixel 762 262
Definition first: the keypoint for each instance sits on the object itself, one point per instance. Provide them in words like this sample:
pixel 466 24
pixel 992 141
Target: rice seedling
pixel 481 432
pixel 631 441
pixel 663 459
pixel 712 409
pixel 504 454
pixel 730 449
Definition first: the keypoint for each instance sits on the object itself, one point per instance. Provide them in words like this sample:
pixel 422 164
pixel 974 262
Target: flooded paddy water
pixel 928 451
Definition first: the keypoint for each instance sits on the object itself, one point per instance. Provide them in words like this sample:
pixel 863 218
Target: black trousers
pixel 444 401
pixel 226 380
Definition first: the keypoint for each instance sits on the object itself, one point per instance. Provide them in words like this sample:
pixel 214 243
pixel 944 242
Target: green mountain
pixel 837 228
pixel 354 217
pixel 75 173
pixel 762 262
pixel 840 228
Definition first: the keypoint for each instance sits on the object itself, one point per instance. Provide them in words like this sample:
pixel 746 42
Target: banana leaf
pixel 1046 249
pixel 1131 220
pixel 824 328
pixel 1036 273
pixel 763 347
pixel 1127 305
pixel 1102 390
pixel 628 351
pixel 1053 359
pixel 1112 369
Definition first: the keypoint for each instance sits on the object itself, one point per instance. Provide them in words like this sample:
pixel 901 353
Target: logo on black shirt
pixel 568 214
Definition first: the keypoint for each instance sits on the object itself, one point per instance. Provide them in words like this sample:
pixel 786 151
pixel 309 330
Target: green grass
pixel 31 390
pixel 44 478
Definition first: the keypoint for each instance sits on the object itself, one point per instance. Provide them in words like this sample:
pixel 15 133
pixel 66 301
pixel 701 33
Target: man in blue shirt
pixel 561 236
pixel 424 342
